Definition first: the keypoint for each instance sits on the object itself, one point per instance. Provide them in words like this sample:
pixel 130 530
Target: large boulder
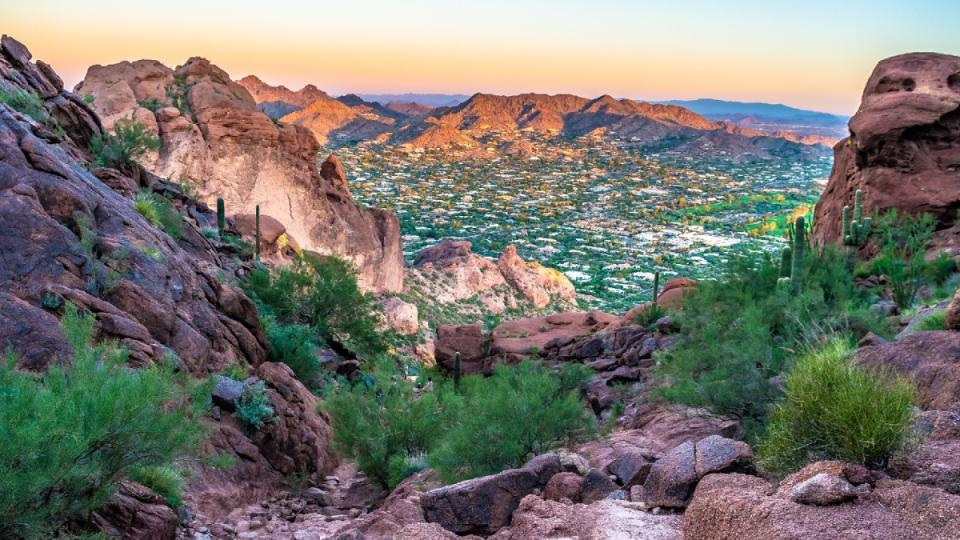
pixel 672 479
pixel 515 340
pixel 216 139
pixel 467 340
pixel 903 147
pixel 733 506
pixel 481 505
pixel 137 513
pixel 929 359
pixel 538 284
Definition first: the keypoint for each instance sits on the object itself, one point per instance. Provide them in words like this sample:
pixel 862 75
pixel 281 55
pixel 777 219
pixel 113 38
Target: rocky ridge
pixel 216 141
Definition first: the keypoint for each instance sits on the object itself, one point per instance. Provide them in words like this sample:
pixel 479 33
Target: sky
pixel 812 54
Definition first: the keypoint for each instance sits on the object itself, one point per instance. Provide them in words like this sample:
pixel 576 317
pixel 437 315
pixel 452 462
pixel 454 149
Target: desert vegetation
pixel 70 435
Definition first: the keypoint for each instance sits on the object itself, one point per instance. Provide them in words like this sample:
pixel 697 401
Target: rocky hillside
pixel 216 142
pixel 904 147
pixel 469 124
pixel 73 235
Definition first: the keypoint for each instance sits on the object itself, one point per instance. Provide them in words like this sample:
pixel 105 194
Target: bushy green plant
pixel 152 105
pixel 833 409
pixel 235 372
pixel 253 406
pixel 163 479
pixel 741 330
pixel 932 322
pixel 295 345
pixel 147 203
pixel 67 437
pixel 903 241
pixel 322 293
pixel 393 430
pixel 26 103
pixel 159 212
pixel 381 423
pixel 506 419
pixel 939 270
pixel 129 142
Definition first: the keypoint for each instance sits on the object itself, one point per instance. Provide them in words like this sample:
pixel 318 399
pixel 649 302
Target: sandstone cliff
pixel 904 146
pixel 71 235
pixel 216 140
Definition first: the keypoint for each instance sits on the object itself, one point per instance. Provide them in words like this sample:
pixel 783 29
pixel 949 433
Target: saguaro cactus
pixel 854 233
pixel 221 216
pixel 786 262
pixel 656 287
pixel 258 232
pixel 799 245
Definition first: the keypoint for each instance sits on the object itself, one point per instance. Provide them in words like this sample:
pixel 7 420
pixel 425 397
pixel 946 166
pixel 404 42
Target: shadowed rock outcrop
pixel 904 146
pixel 216 139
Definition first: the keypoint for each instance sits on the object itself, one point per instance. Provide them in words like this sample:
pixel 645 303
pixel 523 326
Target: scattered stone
pixel 596 486
pixel 822 490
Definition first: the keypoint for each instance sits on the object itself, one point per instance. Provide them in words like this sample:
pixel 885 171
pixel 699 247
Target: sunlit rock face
pixel 215 139
pixel 904 146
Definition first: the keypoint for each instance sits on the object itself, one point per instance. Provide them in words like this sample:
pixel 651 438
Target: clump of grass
pixel 834 409
pixel 935 321
pixel 163 479
pixel 147 203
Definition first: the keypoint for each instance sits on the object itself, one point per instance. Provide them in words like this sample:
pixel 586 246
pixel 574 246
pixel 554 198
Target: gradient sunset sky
pixel 812 54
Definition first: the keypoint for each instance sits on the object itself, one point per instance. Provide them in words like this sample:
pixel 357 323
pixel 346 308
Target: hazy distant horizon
pixel 812 55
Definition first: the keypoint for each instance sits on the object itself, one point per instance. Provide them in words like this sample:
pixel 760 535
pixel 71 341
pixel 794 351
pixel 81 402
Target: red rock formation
pixel 215 138
pixel 904 144
pixel 70 237
pixel 537 283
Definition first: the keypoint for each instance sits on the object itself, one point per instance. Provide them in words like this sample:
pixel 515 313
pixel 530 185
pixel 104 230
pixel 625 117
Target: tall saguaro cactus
pixel 656 287
pixel 799 246
pixel 786 262
pixel 258 232
pixel 854 233
pixel 221 216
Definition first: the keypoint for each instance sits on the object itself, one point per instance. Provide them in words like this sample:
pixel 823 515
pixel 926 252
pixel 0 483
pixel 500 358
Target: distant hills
pixel 771 118
pixel 488 125
pixel 431 100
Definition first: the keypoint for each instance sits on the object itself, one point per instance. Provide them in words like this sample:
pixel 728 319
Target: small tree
pixel 67 437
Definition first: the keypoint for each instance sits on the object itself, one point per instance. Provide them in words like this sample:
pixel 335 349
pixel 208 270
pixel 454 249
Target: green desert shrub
pixel 129 142
pixel 26 103
pixel 253 406
pixel 159 212
pixel 322 293
pixel 68 436
pixel 382 424
pixel 147 203
pixel 296 346
pixel 739 331
pixel 485 426
pixel 517 413
pixel 903 240
pixel 834 409
pixel 934 321
pixel 164 479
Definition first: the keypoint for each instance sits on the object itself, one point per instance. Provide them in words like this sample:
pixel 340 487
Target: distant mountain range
pixel 489 125
pixel 771 118
pixel 431 100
